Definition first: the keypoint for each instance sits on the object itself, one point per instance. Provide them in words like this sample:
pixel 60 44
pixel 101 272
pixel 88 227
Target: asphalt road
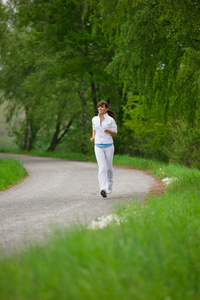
pixel 59 193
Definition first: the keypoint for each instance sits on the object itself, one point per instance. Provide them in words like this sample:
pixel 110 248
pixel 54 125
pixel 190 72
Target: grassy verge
pixel 11 172
pixel 153 254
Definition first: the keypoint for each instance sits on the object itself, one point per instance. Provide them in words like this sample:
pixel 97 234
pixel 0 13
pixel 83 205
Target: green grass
pixel 11 172
pixel 54 154
pixel 153 254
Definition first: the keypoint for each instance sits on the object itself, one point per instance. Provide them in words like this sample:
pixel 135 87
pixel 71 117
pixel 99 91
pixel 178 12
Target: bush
pixel 183 145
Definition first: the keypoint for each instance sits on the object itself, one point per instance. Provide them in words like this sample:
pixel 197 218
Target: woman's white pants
pixel 104 158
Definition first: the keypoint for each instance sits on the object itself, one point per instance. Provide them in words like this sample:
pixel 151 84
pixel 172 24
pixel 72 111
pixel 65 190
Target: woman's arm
pixel 113 128
pixel 93 135
pixel 113 133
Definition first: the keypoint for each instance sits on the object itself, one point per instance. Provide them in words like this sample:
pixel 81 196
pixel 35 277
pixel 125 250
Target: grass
pixel 11 172
pixel 153 254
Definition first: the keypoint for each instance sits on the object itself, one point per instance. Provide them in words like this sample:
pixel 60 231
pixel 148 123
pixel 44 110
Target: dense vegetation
pixel 59 58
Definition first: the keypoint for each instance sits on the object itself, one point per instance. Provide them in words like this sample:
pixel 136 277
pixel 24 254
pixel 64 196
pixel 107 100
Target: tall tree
pixel 154 40
pixel 64 49
pixel 156 58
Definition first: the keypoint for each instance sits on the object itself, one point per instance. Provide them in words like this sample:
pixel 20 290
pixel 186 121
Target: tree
pixel 156 59
pixel 63 49
pixel 153 39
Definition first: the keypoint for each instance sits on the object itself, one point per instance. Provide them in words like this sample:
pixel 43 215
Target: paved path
pixel 60 193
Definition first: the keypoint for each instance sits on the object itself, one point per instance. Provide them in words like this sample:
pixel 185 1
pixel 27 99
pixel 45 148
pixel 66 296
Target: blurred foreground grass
pixel 153 254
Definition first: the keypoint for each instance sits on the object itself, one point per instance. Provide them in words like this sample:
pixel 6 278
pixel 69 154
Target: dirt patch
pixel 158 188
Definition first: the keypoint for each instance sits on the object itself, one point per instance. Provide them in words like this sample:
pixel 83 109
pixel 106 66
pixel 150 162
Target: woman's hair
pixel 109 112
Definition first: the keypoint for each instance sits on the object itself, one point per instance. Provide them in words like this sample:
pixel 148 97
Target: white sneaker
pixel 109 191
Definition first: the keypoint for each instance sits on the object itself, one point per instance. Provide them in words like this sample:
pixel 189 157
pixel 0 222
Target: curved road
pixel 59 193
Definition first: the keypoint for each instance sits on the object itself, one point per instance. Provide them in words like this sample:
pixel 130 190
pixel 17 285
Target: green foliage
pixel 61 57
pixel 19 92
pixel 11 172
pixel 151 37
pixel 143 133
pixel 59 72
pixel 156 57
pixel 183 144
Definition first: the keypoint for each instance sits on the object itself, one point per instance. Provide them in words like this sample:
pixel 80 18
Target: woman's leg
pixel 109 152
pixel 102 164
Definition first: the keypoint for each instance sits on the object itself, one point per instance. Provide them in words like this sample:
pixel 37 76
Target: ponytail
pixel 111 114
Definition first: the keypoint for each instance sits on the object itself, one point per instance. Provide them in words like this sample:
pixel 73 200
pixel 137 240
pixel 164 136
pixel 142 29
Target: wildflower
pixel 104 221
pixel 169 180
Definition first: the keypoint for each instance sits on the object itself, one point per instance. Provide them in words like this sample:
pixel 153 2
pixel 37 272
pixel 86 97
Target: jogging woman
pixel 104 128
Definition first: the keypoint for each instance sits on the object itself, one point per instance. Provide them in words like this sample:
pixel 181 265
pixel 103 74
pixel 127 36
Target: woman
pixel 104 128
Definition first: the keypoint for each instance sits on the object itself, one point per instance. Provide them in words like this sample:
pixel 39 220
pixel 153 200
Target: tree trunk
pixel 84 121
pixel 27 131
pixel 55 139
pixel 94 91
pixel 32 139
pixel 59 139
pixel 122 102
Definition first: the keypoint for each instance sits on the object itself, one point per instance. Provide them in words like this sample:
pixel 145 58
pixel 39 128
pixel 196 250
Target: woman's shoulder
pixel 95 118
pixel 110 119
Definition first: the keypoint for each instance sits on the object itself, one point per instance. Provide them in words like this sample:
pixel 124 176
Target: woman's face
pixel 102 110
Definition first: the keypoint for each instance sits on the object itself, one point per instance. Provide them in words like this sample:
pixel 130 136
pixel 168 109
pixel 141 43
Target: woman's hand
pixel 113 133
pixel 92 140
